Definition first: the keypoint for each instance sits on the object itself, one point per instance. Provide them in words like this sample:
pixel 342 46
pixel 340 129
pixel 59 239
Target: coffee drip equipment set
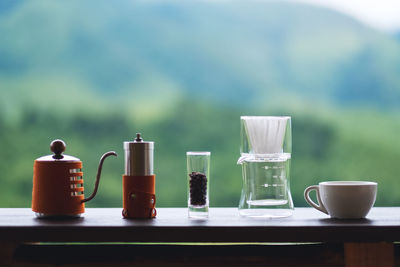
pixel 265 149
pixel 58 190
pixel 265 153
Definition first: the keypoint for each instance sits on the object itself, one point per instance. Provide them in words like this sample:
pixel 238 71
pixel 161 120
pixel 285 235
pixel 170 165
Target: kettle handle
pixel 96 186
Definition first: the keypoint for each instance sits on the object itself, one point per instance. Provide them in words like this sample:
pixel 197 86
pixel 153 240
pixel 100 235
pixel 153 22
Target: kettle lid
pixel 58 147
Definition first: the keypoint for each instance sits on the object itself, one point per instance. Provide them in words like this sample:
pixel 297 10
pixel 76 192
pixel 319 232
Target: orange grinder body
pixel 138 182
pixel 58 184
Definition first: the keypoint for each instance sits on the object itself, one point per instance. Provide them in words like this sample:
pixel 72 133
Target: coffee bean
pixel 198 189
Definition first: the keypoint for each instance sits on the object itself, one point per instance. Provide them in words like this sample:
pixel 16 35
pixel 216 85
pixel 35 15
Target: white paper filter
pixel 266 134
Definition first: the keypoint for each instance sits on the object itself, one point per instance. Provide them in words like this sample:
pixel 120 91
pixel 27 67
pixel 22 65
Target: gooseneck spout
pixel 96 186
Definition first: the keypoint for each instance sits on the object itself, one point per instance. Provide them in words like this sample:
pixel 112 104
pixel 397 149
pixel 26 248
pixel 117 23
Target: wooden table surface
pixel 223 225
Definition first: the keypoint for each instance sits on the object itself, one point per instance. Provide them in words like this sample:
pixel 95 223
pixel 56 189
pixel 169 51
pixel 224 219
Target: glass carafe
pixel 265 159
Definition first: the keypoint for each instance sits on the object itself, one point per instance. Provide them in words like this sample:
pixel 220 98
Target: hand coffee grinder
pixel 138 182
pixel 58 184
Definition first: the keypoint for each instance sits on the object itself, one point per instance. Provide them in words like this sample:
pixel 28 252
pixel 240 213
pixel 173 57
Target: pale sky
pixel 380 14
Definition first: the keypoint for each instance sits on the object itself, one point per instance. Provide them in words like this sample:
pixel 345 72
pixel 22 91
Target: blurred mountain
pixel 94 73
pixel 238 53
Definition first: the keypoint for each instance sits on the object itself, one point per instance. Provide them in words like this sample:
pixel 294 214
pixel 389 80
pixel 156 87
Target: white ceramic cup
pixel 343 199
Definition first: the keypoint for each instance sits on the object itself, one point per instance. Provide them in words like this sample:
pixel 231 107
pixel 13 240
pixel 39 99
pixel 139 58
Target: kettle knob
pixel 57 147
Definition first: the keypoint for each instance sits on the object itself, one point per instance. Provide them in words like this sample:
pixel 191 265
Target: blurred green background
pixel 94 73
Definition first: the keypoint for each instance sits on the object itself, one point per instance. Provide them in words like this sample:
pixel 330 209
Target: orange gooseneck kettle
pixel 58 184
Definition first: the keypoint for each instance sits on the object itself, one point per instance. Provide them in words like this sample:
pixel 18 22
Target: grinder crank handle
pixel 96 186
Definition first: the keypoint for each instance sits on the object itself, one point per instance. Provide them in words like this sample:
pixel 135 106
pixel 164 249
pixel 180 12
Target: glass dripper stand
pixel 265 158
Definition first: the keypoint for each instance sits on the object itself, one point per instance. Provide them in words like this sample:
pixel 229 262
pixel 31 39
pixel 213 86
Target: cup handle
pixel 320 206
